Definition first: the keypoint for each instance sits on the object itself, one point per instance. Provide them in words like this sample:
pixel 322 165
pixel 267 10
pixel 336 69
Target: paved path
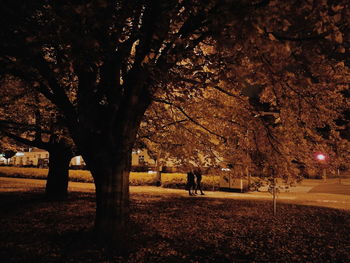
pixel 331 188
pixel 316 193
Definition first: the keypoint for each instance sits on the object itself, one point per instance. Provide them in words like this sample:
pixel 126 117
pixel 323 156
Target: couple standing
pixel 193 185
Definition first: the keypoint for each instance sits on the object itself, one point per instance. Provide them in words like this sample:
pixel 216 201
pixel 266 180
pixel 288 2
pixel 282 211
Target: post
pixel 229 180
pixel 338 171
pixel 158 171
pixel 248 175
pixel 324 175
pixel 213 178
pixel 247 155
pixel 274 191
pixel 274 197
pixel 241 182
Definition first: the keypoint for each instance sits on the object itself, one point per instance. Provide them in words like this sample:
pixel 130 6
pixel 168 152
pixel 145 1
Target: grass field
pixel 171 180
pixel 168 228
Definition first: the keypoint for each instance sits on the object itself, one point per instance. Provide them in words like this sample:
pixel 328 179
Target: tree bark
pixel 111 177
pixel 108 157
pixel 105 137
pixel 112 208
pixel 58 174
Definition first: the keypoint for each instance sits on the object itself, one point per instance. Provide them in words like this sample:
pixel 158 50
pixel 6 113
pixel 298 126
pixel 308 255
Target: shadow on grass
pixel 173 229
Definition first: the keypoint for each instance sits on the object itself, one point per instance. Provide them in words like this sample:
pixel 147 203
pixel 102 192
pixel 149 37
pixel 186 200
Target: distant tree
pixel 9 154
pixel 29 119
pixel 294 78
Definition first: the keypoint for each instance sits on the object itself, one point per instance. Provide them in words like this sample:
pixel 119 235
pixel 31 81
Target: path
pixel 310 192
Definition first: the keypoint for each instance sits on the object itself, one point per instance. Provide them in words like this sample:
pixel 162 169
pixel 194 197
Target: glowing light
pixel 320 157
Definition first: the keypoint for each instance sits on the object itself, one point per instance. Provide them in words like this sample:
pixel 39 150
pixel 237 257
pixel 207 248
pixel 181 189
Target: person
pixel 191 185
pixel 198 174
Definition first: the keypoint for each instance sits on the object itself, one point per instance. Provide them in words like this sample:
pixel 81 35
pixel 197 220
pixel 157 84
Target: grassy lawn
pixel 167 228
pixel 169 180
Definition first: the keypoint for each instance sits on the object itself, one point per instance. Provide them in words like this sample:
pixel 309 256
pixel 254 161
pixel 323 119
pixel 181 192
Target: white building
pixel 141 157
pixel 3 160
pixel 30 158
pixel 37 157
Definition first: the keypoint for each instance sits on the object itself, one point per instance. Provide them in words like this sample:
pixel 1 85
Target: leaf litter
pixel 174 229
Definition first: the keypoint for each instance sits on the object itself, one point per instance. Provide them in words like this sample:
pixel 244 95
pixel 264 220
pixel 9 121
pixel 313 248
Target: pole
pixel 274 197
pixel 248 166
pixel 339 175
pixel 248 175
pixel 272 186
pixel 158 171
pixel 241 182
pixel 213 179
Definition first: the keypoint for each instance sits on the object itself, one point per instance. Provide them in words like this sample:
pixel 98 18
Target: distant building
pixel 141 158
pixel 3 160
pixel 34 157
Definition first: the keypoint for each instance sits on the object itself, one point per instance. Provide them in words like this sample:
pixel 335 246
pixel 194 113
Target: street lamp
pixel 322 159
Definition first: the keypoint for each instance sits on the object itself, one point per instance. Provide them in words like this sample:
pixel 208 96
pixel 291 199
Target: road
pixel 310 192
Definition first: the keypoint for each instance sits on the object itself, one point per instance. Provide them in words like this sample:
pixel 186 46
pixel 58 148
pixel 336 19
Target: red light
pixel 321 157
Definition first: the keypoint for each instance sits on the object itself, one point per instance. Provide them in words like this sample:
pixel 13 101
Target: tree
pixel 29 119
pixel 102 63
pixel 9 154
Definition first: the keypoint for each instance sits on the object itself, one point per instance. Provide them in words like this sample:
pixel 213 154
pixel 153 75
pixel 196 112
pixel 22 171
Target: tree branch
pixel 34 143
pixel 190 118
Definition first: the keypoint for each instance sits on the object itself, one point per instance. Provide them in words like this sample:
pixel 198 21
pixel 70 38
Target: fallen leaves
pixel 167 228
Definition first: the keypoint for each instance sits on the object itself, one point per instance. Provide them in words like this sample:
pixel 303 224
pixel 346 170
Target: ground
pixel 169 226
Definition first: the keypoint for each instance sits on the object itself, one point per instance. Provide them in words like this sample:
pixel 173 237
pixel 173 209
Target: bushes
pixel 169 180
pixel 142 178
pixel 41 173
pixel 178 180
pixel 174 180
pixel 21 172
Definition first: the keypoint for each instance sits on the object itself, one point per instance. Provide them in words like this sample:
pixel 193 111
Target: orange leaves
pixel 272 37
pixel 337 8
pixel 341 49
pixel 337 18
pixel 338 37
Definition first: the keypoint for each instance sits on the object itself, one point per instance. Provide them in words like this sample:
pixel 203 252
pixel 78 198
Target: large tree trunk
pixel 112 205
pixel 111 177
pixel 105 136
pixel 57 178
pixel 108 156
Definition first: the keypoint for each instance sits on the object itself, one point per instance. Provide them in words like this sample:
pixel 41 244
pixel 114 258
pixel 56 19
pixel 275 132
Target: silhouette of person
pixel 198 175
pixel 191 185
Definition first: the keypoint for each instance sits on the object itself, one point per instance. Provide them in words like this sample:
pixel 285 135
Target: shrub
pixel 169 180
pixel 179 180
pixel 138 178
pixel 174 180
